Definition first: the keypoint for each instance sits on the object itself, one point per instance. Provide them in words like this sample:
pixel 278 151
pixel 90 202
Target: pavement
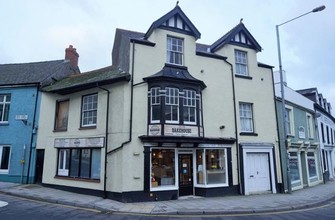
pixel 239 204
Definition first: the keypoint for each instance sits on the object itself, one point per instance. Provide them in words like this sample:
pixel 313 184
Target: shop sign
pixel 180 130
pixel 79 142
pixel 213 145
pixel 155 130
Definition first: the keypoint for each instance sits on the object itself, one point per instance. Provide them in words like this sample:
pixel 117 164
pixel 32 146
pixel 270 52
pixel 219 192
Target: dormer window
pixel 241 63
pixel 175 48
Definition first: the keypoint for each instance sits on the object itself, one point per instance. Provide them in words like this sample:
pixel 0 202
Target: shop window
pixel 4 108
pixel 311 163
pixel 62 114
pixel 211 167
pixel 163 168
pixel 79 163
pixel 294 167
pixel 4 158
pixel 89 110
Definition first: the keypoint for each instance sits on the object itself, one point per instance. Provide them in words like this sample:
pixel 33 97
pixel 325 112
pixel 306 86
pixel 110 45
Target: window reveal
pixel 62 114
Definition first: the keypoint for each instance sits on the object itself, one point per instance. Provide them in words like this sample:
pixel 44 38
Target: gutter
pixel 106 139
pixel 32 133
pixel 131 103
pixel 235 119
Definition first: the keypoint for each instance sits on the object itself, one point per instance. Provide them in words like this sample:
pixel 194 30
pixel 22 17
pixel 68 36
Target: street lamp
pixel 320 8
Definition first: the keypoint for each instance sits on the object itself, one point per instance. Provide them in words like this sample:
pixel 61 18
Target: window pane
pixel 215 166
pixel 75 157
pixel 163 167
pixel 200 167
pixel 174 51
pixel 246 117
pixel 294 169
pixel 85 163
pixel 311 165
pixel 241 63
pixel 89 110
pixel 4 158
pixel 96 164
pixel 155 113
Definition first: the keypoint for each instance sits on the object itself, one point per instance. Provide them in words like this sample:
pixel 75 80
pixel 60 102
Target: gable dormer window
pixel 175 48
pixel 241 63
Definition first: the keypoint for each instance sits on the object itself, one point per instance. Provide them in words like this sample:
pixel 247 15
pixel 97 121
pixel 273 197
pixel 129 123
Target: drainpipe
pixel 235 119
pixel 131 103
pixel 106 139
pixel 32 133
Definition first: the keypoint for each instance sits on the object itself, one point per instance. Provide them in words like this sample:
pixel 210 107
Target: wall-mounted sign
pixel 214 145
pixel 79 142
pixel 302 132
pixel 155 130
pixel 180 130
pixel 21 117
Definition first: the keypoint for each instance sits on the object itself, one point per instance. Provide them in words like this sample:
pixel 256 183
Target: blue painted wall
pixel 16 134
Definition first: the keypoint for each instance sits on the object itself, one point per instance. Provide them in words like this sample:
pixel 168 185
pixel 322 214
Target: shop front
pixel 304 163
pixel 188 166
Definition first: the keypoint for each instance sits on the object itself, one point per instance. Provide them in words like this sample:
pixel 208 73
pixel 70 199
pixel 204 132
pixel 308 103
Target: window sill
pixel 88 127
pixel 4 123
pixel 248 134
pixel 77 179
pixel 242 76
pixel 59 130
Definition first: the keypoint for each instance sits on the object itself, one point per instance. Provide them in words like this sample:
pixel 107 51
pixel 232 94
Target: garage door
pixel 258 172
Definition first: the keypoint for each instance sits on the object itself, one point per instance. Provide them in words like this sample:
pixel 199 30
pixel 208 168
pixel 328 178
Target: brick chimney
pixel 72 55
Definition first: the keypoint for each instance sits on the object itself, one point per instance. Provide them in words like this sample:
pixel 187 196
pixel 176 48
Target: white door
pixel 258 172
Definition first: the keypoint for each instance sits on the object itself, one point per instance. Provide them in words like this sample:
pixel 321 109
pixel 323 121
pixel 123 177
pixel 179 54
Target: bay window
pixel 155 108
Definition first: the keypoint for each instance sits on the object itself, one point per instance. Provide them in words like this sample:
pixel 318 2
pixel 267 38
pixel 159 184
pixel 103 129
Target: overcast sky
pixel 40 30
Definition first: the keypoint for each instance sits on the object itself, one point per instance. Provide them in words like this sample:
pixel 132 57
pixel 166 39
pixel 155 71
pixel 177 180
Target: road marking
pixel 2 204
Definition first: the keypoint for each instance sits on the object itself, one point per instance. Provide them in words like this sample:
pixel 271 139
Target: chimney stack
pixel 72 55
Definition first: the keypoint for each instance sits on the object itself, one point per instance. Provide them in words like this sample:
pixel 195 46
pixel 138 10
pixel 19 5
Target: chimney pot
pixel 72 55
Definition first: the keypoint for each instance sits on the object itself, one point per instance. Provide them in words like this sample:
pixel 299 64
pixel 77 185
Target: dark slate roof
pixel 34 73
pixel 225 39
pixel 79 82
pixel 173 72
pixel 176 11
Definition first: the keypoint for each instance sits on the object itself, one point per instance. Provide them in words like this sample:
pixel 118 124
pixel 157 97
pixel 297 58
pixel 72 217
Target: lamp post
pixel 320 8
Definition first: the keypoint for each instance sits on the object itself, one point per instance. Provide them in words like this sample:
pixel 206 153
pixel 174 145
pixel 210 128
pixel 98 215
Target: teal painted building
pixel 301 161
pixel 20 94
